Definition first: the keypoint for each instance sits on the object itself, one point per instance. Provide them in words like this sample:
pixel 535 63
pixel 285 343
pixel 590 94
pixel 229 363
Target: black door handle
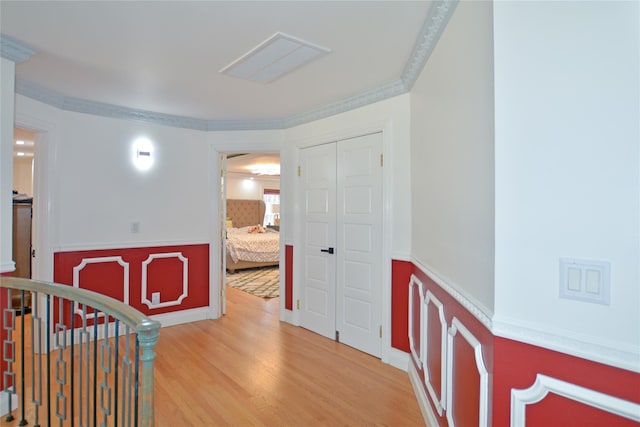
pixel 328 250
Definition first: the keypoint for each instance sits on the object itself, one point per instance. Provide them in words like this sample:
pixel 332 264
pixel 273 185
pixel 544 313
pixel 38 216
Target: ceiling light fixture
pixel 19 142
pixel 278 55
pixel 264 169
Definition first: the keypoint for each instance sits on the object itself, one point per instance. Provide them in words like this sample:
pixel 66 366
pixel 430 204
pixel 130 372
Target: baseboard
pixel 4 402
pixel 398 359
pixel 183 316
pixel 429 416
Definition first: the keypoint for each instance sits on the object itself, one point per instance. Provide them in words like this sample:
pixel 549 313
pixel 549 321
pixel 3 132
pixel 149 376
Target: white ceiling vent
pixel 273 58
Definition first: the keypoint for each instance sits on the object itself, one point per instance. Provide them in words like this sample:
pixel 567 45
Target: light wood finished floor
pixel 249 369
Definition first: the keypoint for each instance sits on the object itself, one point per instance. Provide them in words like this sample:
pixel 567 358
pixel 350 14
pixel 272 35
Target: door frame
pixel 385 127
pixel 234 142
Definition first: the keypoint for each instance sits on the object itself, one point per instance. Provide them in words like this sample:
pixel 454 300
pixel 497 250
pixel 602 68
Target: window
pixel 272 201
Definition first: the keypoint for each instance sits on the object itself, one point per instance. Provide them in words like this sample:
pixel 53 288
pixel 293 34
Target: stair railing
pixel 75 357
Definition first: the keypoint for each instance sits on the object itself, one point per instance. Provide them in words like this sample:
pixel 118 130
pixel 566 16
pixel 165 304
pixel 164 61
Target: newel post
pixel 147 339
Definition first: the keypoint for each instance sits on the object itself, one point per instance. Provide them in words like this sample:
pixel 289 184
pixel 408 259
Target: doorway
pixel 250 207
pixel 341 267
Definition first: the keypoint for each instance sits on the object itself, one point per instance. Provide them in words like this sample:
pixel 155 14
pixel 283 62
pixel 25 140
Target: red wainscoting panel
pixel 288 277
pixel 400 277
pixel 507 366
pixel 516 367
pixel 180 274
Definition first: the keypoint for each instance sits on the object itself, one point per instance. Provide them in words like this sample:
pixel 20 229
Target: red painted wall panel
pixel 518 363
pixel 555 410
pixel 164 275
pixel 288 277
pixel 400 276
pixel 510 364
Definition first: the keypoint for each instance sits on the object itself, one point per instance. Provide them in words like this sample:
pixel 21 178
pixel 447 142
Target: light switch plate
pixel 585 280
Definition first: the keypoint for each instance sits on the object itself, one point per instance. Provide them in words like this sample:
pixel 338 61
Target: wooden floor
pixel 250 369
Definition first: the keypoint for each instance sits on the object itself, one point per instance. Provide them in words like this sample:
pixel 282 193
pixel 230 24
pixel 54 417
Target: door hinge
pixel 338 336
pixel 380 331
pixel 298 304
pixel 299 171
pixel 381 160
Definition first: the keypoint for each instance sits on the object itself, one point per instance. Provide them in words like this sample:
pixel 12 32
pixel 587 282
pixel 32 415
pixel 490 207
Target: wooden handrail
pixel 117 309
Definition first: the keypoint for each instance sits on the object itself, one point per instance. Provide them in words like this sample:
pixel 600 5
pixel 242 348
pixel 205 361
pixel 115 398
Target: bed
pixel 248 245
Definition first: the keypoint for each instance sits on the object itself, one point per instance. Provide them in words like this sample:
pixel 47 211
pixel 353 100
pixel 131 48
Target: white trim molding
pixel 15 50
pixel 439 402
pixel 577 346
pixel 429 416
pixel 457 326
pixel 415 352
pixel 473 307
pixel 99 260
pixel 543 385
pixel 437 18
pixel 185 279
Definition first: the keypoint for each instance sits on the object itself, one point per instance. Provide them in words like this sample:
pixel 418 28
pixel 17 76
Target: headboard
pixel 245 212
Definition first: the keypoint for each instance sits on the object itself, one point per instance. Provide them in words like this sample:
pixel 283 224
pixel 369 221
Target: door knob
pixel 328 250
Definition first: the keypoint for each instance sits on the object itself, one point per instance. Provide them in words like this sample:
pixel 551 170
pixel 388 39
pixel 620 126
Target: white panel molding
pixel 437 18
pixel 478 311
pixel 457 326
pixel 543 385
pixel 439 402
pixel 183 316
pixel 99 260
pixel 185 279
pixel 429 416
pixel 128 245
pixel 562 341
pixel 401 256
pixel 15 50
pixel 415 352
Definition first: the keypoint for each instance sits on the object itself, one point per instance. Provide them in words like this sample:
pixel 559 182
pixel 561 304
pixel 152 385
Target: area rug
pixel 262 282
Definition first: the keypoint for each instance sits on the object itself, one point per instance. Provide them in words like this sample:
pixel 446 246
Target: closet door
pixel 359 243
pixel 318 267
pixel 341 266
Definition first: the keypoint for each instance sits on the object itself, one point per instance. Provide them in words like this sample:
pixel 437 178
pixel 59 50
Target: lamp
pixel 275 209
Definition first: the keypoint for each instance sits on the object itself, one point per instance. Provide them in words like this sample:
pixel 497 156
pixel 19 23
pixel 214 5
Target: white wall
pixel 7 81
pixel 251 189
pixel 567 171
pixel 98 193
pixel 23 175
pixel 452 163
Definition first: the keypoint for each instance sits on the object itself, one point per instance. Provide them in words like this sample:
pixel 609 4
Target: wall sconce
pixel 142 154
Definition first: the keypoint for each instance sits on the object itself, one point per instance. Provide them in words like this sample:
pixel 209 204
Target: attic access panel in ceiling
pixel 278 55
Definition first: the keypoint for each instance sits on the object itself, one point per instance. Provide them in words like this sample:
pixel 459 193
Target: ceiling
pixel 165 56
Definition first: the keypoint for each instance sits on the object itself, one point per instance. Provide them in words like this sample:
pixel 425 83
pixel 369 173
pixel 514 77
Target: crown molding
pixel 367 97
pixel 15 50
pixel 118 112
pixel 437 18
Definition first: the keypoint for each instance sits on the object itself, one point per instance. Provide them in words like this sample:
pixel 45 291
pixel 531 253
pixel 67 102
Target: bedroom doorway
pixel 250 219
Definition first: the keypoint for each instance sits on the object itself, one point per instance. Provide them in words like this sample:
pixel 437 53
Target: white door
pixel 318 267
pixel 342 254
pixel 359 225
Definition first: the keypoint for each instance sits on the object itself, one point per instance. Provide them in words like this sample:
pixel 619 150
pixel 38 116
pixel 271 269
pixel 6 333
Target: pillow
pixel 257 229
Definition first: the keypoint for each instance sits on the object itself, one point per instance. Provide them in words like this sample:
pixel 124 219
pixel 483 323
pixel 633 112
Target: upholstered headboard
pixel 245 212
